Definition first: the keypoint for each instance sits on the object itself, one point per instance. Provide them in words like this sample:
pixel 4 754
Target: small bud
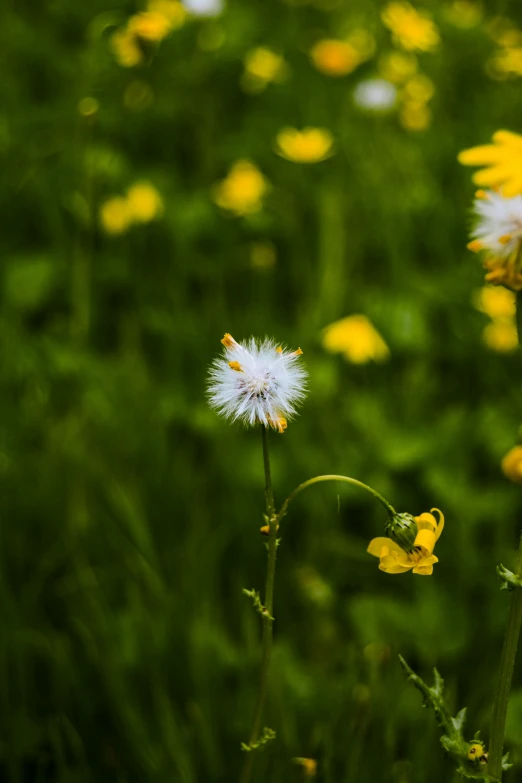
pixel 403 529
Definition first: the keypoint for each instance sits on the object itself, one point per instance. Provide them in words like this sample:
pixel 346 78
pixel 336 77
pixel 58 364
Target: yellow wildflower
pixel 115 216
pixel 263 66
pixel 506 62
pixel 144 202
pixel 242 190
pixel 501 336
pixel 357 339
pixel 149 25
pixel 394 560
pixel 309 766
pixel 172 10
pixel 464 13
pixel 512 464
pixel 495 302
pixel 126 48
pixel 363 42
pixel 396 66
pixel 310 145
pixel 335 58
pixel 411 29
pixel 503 162
pixel 419 88
pixel 415 115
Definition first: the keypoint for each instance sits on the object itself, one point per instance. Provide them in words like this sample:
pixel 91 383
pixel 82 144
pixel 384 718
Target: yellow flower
pixel 115 216
pixel 464 13
pixel 335 58
pixel 506 62
pixel 144 202
pixel 172 10
pixel 415 115
pixel 242 190
pixel 357 339
pixel 265 65
pixel 149 25
pixel 310 145
pixel 396 66
pixel 411 29
pixel 501 336
pixel 495 302
pixel 126 49
pixel 309 766
pixel 512 464
pixel 503 162
pixel 419 88
pixel 394 560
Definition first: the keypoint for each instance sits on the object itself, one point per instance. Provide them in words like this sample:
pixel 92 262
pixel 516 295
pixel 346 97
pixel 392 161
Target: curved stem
pixel 267 614
pixel 389 508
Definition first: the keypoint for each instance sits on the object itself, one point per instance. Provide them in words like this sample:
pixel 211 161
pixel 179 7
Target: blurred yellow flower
pixel 411 29
pixel 309 766
pixel 464 13
pixel 310 145
pixel 495 302
pixel 149 25
pixel 126 48
pixel 394 560
pixel 144 202
pixel 242 190
pixel 263 66
pixel 504 32
pixel 502 161
pixel 172 10
pixel 501 336
pixel 419 88
pixel 415 115
pixel 335 58
pixel 512 464
pixel 357 339
pixel 363 41
pixel 396 66
pixel 115 217
pixel 506 62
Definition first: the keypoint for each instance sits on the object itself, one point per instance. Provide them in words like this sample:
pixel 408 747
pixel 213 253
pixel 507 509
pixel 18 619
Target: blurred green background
pixel 129 512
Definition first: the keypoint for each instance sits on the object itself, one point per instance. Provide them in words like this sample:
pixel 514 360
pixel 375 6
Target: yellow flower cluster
pixel 415 113
pixel 335 57
pixel 263 66
pixel 499 304
pixel 242 190
pixel 394 560
pixel 149 26
pixel 507 60
pixel 311 145
pixel 356 339
pixel 512 464
pixel 502 161
pixel 411 29
pixel 141 204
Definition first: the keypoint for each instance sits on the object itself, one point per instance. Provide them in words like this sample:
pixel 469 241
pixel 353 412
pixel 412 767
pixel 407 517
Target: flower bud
pixel 403 529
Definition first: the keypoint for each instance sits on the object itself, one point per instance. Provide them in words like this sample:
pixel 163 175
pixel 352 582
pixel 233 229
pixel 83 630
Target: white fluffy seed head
pixel 257 382
pixel 499 224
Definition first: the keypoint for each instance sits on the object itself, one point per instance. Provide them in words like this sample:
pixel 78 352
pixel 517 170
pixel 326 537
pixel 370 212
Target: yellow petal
pixel 507 137
pixel 426 540
pixel 423 570
pixel 440 526
pixel 376 546
pixel 494 175
pixel 390 566
pixel 426 521
pixel 481 156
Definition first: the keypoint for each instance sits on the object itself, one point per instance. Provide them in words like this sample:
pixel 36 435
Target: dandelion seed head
pixel 499 224
pixel 257 382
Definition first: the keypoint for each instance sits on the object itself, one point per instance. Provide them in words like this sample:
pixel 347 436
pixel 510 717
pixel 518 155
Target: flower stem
pixel 389 508
pixel 509 649
pixel 267 615
pixel 507 664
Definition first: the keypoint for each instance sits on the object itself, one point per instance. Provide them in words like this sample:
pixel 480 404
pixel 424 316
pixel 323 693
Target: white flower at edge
pixel 375 95
pixel 258 382
pixel 499 225
pixel 204 7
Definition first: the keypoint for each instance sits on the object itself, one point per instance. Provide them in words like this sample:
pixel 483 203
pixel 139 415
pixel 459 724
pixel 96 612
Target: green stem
pixel 507 664
pixel 389 508
pixel 268 616
pixel 509 648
